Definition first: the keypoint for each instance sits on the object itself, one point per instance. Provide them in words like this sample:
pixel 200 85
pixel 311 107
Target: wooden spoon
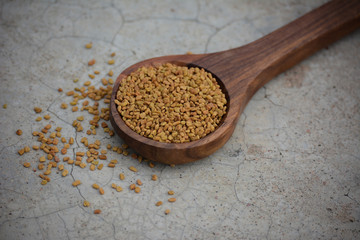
pixel 241 72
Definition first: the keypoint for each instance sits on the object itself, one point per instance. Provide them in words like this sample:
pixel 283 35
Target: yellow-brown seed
pixel 38 119
pixel 19 132
pixel 100 166
pixel 137 189
pixel 41 166
pixel 96 72
pixel 87 83
pixel 171 192
pixel 118 189
pixel 122 176
pixel 86 203
pixel 113 185
pixel 47 117
pixel 92 76
pixel 88 45
pixel 5 106
pixel 154 177
pixel 21 151
pixel 27 164
pixel 133 169
pixel 26 149
pixel 159 203
pixel 76 183
pixel 44 182
pixel 111 73
pixel 111 61
pixel 101 191
pixel 63 105
pixel 97 211
pixel 92 167
pixel 96 186
pixel 132 186
pixel 91 62
pixel 167 211
pixel 172 199
pixel 138 182
pixel 37 109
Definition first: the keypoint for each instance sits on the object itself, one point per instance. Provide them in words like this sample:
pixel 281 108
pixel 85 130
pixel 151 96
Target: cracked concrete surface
pixel 290 171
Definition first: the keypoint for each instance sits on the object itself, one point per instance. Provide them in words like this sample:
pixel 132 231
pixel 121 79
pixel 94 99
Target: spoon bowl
pixel 241 72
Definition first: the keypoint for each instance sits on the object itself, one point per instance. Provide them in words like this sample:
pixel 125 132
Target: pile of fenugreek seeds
pixel 57 149
pixel 171 103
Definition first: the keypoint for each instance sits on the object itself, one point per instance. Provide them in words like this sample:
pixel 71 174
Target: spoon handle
pixel 246 69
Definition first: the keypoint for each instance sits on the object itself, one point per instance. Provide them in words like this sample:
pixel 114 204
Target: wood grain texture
pixel 241 72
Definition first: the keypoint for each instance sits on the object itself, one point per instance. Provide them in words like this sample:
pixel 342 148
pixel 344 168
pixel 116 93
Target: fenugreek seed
pixel 19 132
pixel 44 182
pixel 70 161
pixel 132 168
pixel 91 62
pixel 125 153
pixel 111 81
pixel 27 164
pixel 47 117
pixel 82 165
pixel 53 135
pixel 132 186
pixel 96 72
pixel 138 182
pixel 114 161
pixel 159 203
pixel 171 192
pixel 66 145
pixel 86 203
pixel 172 199
pixel 111 73
pixel 61 167
pixel 122 176
pixel 92 167
pixel 111 61
pixel 75 81
pixel 124 146
pixel 151 165
pixel 21 151
pixel 80 118
pixel 111 165
pixel 47 172
pixel 118 189
pixel 75 108
pixel 97 142
pixel 113 185
pixel 66 159
pixel 113 54
pixel 154 177
pixel 103 157
pixel 41 166
pixel 88 45
pixel 103 151
pixel 100 166
pixel 91 76
pixel 76 183
pixel 167 211
pixel 60 89
pixel 87 83
pixel 58 134
pixel 63 105
pixel 38 119
pixel 49 157
pixel 96 186
pixel 101 191
pixel 63 140
pixel 26 149
pixel 134 156
pixel 137 189
pixel 97 211
pixel 5 106
pixel 37 109
pixel 42 159
pixel 63 151
pixel 108 146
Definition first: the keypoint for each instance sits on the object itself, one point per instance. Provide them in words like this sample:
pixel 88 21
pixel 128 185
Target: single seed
pixel 154 177
pixel 47 117
pixel 111 61
pixel 80 118
pixel 63 105
pixel 91 62
pixel 111 81
pixel 137 189
pixel 47 172
pixel 100 166
pixel 96 186
pixel 37 109
pixel 27 164
pixel 87 83
pixel 101 191
pixel 44 182
pixel 122 176
pixel 5 106
pixel 41 166
pixel 171 192
pixel 167 211
pixel 151 165
pixel 42 159
pixel 132 168
pixel 76 183
pixel 91 76
pixel 21 151
pixel 132 186
pixel 86 203
pixel 97 211
pixel 113 54
pixel 159 203
pixel 75 81
pixel 75 108
pixel 92 167
pixel 96 72
pixel 138 182
pixel 26 149
pixel 61 167
pixel 118 189
pixel 88 45
pixel 111 73
pixel 172 199
pixel 19 132
pixel 113 185
pixel 38 119
pixel 60 89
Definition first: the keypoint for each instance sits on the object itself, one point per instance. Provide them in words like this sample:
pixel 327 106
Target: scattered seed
pixel 122 176
pixel 159 203
pixel 154 177
pixel 171 192
pixel 86 203
pixel 132 186
pixel 27 164
pixel 21 151
pixel 47 117
pixel 167 211
pixel 76 183
pixel 132 168
pixel 87 83
pixel 96 186
pixel 113 54
pixel 91 62
pixel 172 199
pixel 63 105
pixel 118 189
pixel 138 182
pixel 38 119
pixel 111 73
pixel 5 106
pixel 19 132
pixel 97 211
pixel 60 89
pixel 88 45
pixel 101 191
pixel 37 109
pixel 44 182
pixel 137 189
pixel 112 61
pixel 96 72
pixel 100 166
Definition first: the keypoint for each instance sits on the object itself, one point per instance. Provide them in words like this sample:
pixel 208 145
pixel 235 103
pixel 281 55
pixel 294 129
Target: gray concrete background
pixel 290 171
